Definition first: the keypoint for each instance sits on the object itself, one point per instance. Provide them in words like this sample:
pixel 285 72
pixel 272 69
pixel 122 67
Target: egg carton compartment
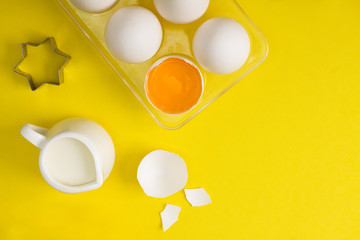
pixel 177 40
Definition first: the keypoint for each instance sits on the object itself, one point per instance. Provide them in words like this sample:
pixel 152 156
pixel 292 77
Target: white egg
pixel 94 6
pixel 221 45
pixel 181 11
pixel 133 34
pixel 162 174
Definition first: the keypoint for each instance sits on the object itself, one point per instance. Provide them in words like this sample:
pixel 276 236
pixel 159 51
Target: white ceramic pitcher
pixel 76 154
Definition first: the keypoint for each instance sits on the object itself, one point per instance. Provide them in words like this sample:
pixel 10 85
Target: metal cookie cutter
pixel 54 47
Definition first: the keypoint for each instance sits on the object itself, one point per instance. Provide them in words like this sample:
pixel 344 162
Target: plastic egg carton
pixel 177 40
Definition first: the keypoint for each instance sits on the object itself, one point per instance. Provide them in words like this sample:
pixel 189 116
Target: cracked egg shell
pixel 162 174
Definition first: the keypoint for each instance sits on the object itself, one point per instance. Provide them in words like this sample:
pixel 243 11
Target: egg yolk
pixel 174 86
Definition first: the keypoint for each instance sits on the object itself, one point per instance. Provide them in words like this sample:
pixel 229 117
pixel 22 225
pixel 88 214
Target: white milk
pixel 70 162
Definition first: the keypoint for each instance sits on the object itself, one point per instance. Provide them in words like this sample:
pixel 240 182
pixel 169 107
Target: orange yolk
pixel 174 86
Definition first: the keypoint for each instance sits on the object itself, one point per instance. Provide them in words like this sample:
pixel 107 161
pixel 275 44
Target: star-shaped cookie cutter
pixel 55 49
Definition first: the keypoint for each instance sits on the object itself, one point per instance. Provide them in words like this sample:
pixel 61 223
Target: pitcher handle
pixel 35 135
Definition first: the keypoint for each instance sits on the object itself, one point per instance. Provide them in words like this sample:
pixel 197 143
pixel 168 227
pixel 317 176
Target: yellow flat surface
pixel 279 153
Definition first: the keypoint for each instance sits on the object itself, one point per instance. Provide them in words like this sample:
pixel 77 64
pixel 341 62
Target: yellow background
pixel 279 153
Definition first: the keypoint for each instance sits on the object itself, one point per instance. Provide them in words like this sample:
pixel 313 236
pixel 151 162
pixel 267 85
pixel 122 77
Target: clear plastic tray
pixel 177 40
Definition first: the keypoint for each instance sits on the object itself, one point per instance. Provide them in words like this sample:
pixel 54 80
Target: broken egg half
pixel 162 174
pixel 174 85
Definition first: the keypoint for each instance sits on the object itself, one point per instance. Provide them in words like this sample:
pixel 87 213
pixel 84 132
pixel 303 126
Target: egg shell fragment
pixel 162 173
pixel 197 197
pixel 169 216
